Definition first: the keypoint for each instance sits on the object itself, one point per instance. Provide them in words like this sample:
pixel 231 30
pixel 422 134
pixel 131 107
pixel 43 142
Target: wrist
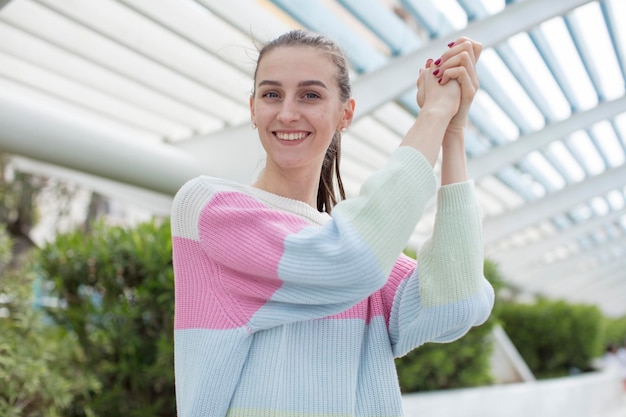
pixel 426 134
pixel 454 135
pixel 436 115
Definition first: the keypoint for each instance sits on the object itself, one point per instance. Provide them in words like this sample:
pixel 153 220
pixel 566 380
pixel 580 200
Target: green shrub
pixel 462 363
pixel 554 337
pixel 615 331
pixel 38 376
pixel 117 288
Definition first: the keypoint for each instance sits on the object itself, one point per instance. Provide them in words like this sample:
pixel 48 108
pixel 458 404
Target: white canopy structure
pixel 134 97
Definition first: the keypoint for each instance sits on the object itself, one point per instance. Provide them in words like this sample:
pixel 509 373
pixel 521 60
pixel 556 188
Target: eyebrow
pixel 300 84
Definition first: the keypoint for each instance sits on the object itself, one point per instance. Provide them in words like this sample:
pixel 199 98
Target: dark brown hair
pixel 326 197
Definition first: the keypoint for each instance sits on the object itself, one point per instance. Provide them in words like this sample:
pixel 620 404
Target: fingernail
pixel 438 61
pixel 439 80
pixel 435 72
pixel 451 44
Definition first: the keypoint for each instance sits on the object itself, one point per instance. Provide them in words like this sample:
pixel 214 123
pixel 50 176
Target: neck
pixel 297 188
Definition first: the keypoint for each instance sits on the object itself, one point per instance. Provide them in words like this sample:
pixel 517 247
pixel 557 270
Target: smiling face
pixel 297 108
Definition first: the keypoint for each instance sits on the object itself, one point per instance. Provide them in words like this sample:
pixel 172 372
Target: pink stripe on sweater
pixel 197 304
pixel 224 279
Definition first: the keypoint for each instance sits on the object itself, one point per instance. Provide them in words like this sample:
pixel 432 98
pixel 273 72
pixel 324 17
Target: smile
pixel 291 136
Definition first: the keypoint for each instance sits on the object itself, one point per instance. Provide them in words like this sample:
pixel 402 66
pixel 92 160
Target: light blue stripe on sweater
pixel 312 368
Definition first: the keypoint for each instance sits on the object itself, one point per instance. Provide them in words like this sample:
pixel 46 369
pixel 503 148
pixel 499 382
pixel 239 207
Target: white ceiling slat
pixel 147 38
pixel 429 16
pixel 578 264
pixel 203 28
pixel 614 14
pixel 39 21
pixel 319 17
pixel 252 18
pixel 593 42
pixel 509 153
pixel 47 56
pixel 521 257
pixel 52 84
pixel 386 24
pixel 501 226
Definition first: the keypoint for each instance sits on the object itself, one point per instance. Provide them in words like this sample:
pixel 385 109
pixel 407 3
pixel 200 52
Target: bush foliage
pixel 38 373
pixel 117 290
pixel 615 332
pixel 555 338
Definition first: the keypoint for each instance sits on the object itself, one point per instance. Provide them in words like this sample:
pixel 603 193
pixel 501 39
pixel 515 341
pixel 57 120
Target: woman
pixel 285 310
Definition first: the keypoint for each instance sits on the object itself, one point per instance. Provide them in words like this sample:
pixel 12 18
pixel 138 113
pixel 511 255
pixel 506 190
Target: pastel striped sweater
pixel 285 311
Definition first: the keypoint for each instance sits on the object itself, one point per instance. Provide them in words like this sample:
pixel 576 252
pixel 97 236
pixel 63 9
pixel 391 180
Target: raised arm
pixel 457 63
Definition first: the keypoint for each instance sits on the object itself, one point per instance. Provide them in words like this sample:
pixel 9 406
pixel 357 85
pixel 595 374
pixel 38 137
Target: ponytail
pixel 326 196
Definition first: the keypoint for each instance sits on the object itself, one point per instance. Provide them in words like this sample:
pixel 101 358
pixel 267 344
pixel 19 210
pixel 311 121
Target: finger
pixel 468 87
pixel 462 60
pixel 475 46
pixel 463 44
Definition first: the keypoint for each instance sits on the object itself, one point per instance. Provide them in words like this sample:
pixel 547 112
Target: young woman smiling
pixel 292 300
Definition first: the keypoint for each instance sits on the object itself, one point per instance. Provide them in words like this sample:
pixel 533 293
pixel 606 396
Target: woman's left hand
pixel 459 63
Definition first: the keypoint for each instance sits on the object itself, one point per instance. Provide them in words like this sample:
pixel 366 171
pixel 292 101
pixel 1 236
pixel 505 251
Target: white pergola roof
pixel 134 97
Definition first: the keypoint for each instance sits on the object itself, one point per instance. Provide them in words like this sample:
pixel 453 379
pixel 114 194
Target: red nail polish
pixel 438 61
pixel 435 72
pixel 451 44
pixel 439 80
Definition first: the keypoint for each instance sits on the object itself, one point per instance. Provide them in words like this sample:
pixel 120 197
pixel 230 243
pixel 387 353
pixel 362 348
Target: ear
pixel 252 118
pixel 348 114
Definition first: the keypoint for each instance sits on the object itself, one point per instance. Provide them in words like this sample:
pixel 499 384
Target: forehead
pixel 299 62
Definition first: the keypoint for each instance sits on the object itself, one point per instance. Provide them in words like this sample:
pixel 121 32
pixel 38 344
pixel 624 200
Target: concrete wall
pixel 597 394
pixel 507 365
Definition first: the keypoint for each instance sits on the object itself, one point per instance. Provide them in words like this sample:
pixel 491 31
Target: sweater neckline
pixel 289 204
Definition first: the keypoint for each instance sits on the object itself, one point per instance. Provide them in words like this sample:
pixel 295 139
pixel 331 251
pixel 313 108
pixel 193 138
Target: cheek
pixel 263 114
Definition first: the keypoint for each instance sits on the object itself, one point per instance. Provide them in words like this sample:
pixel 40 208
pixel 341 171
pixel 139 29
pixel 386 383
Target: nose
pixel 288 112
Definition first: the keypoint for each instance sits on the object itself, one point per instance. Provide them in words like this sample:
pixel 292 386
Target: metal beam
pixel 60 137
pixel 505 155
pixel 496 228
pixel 525 256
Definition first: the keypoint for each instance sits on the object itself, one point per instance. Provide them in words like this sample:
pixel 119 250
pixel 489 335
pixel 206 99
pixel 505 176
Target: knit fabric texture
pixel 285 311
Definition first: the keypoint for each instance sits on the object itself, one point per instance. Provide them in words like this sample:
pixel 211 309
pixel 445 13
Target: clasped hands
pixel 449 83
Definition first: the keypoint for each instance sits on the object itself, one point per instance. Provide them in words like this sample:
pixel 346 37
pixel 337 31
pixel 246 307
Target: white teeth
pixel 291 136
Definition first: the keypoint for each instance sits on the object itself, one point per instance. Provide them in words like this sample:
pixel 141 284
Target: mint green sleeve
pixel 447 293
